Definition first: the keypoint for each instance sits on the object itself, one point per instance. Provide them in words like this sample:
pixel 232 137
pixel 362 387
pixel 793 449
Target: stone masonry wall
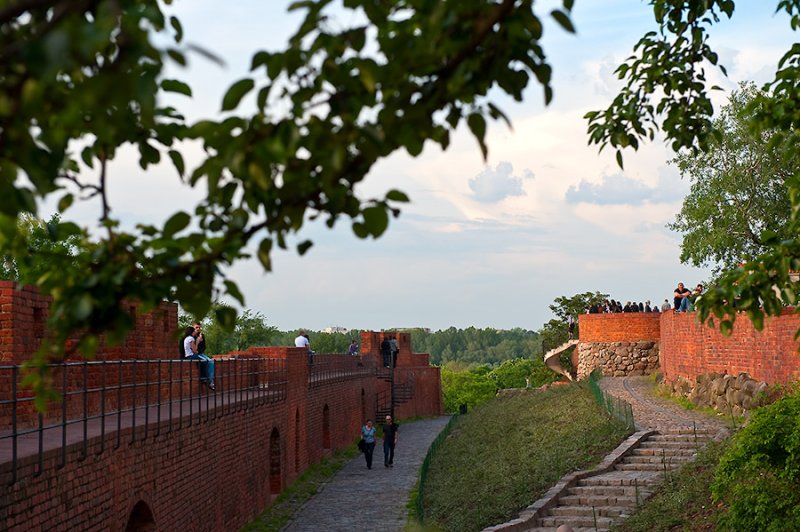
pixel 618 359
pixel 725 393
pixel 618 344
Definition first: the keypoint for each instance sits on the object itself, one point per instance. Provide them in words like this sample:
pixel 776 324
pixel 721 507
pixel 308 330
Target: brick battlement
pixel 239 451
pixel 687 348
pixel 634 326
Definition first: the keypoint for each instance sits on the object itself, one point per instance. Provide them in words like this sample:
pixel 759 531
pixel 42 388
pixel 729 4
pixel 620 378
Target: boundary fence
pixel 616 407
pixel 423 471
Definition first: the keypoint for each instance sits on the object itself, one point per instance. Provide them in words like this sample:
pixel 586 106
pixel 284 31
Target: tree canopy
pixel 81 80
pixel 738 188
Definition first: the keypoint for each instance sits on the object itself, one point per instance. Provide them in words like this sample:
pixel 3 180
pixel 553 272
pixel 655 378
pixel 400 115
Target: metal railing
pixel 148 397
pixel 426 463
pixel 337 367
pixel 619 408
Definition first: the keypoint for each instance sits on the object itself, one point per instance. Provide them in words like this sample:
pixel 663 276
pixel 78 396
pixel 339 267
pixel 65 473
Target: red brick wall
pixel 621 327
pixel 24 312
pixel 689 348
pixel 215 473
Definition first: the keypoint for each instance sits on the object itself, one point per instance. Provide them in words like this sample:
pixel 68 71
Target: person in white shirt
pixel 190 352
pixel 302 341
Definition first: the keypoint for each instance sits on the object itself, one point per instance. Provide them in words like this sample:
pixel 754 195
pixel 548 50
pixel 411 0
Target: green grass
pixel 506 453
pixel 683 502
pixel 276 515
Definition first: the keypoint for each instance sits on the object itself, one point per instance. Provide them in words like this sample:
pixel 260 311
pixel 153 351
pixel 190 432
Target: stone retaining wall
pixel 725 393
pixel 618 359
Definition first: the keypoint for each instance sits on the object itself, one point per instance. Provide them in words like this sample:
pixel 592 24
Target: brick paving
pixel 358 498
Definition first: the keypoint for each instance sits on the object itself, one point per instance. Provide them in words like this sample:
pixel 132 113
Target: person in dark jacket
pixel 386 351
pixel 390 430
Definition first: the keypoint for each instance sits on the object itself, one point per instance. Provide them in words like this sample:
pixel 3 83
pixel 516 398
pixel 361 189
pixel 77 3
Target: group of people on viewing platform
pixel 613 306
pixel 683 301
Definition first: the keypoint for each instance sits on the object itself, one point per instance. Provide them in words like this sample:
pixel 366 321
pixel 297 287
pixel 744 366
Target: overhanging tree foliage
pixel 80 80
pixel 738 188
pixel 666 89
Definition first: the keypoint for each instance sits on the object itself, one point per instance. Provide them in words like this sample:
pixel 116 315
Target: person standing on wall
pixel 395 350
pixel 368 435
pixel 386 351
pixel 390 430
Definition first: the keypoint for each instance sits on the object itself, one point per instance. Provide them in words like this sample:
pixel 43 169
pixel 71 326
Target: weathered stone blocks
pixel 618 359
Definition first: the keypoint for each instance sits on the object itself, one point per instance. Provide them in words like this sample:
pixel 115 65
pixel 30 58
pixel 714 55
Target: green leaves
pixel 173 85
pixel 236 92
pixel 177 222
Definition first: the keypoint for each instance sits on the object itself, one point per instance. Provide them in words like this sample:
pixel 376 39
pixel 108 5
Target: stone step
pixel 691 438
pixel 589 511
pixel 648 467
pixel 639 451
pixel 601 490
pixel 629 501
pixel 657 459
pixel 599 522
pixel 574 529
pixel 647 444
pixel 688 430
pixel 629 480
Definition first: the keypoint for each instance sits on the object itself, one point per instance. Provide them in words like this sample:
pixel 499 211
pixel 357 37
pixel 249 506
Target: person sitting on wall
pixel 681 300
pixel 303 341
pixel 665 306
pixel 696 294
pixel 190 352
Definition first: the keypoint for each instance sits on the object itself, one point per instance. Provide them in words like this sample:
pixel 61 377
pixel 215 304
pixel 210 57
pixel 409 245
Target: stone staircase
pixel 595 500
pixel 551 358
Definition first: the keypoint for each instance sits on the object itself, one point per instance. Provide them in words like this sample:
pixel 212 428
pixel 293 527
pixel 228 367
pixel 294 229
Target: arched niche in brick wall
pixel 275 480
pixel 141 519
pixel 326 427
pixel 364 414
pixel 296 441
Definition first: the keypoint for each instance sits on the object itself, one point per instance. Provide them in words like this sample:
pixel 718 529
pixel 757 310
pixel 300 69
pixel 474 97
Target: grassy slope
pixel 508 452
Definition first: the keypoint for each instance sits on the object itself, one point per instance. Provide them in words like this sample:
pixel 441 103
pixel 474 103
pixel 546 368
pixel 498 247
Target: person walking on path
pixel 390 430
pixel 338 505
pixel 368 435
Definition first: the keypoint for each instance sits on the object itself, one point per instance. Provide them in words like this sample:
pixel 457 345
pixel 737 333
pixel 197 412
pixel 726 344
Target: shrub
pixel 759 475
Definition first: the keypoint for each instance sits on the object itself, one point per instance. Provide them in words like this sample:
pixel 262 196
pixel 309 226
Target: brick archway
pixel 275 480
pixel 141 519
pixel 326 427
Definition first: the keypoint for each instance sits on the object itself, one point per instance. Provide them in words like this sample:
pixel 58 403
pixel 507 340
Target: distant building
pixel 331 330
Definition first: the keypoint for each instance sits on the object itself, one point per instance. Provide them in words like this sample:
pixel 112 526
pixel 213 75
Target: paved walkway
pixel 653 412
pixel 358 498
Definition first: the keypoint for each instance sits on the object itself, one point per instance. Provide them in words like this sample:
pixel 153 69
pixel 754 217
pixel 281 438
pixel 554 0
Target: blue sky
pixel 483 243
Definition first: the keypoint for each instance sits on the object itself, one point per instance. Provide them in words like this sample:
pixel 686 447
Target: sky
pixel 483 243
